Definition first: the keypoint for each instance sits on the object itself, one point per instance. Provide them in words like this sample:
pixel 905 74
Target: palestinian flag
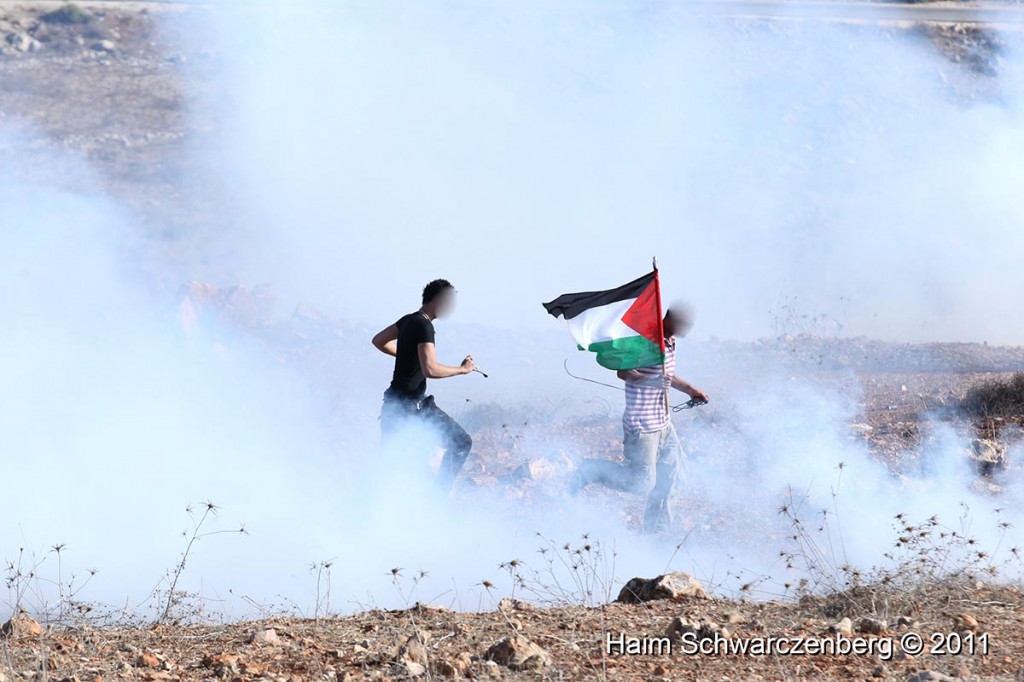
pixel 623 325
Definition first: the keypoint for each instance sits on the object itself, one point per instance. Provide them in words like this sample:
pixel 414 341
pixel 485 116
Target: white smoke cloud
pixel 524 149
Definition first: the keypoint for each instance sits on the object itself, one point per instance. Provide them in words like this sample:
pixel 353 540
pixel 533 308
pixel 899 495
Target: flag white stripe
pixel 602 323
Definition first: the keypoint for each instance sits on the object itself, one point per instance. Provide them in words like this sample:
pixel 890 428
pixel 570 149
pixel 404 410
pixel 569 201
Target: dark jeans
pixel 400 414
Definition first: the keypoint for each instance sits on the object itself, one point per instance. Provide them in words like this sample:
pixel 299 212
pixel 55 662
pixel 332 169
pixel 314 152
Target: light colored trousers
pixel 651 467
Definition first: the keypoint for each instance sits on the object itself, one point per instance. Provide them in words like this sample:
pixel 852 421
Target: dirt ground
pixel 437 643
pixel 119 90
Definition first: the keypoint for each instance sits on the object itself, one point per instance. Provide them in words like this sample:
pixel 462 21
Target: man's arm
pixel 386 340
pixel 635 377
pixel 432 369
pixel 632 376
pixel 689 390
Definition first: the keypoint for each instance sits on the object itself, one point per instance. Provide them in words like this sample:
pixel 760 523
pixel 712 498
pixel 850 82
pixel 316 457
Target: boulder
pixel 674 586
pixel 988 456
pixel 21 625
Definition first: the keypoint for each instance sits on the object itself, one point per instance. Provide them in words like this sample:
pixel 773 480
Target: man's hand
pixel 697 394
pixel 432 369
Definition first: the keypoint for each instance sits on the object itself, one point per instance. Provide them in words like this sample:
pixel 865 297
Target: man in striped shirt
pixel 650 446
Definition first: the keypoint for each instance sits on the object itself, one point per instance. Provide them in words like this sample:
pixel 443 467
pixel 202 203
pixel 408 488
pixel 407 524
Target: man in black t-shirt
pixel 410 341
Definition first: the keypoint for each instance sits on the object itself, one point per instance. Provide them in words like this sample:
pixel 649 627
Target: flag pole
pixel 661 332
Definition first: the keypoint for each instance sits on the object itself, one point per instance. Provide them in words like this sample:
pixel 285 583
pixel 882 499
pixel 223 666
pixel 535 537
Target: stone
pixel 267 637
pixel 446 668
pixel 530 470
pixel 147 660
pixel 490 671
pixel 103 46
pixel 434 609
pixel 510 604
pixel 222 664
pixel 21 625
pixel 872 626
pixel 462 663
pixel 965 622
pixel 988 456
pixel 23 42
pixel 703 629
pixel 413 651
pixel 905 622
pixel 674 586
pixel 412 669
pixel 679 627
pixel 843 627
pixel 518 653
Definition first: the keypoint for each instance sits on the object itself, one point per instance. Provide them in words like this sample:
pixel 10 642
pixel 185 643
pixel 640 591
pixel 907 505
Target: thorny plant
pixel 928 557
pixel 581 574
pixel 54 598
pixel 568 574
pixel 172 597
pixel 30 589
pixel 322 571
pixel 406 594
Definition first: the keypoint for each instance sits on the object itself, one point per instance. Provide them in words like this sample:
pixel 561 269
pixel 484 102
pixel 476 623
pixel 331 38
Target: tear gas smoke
pixel 520 150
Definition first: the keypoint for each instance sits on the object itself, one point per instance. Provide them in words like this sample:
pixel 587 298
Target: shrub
pixel 67 14
pixel 1002 397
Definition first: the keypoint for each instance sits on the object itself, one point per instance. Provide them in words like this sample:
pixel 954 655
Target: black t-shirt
pixel 408 380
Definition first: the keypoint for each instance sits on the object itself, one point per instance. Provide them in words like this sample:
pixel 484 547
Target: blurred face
pixel 445 302
pixel 677 324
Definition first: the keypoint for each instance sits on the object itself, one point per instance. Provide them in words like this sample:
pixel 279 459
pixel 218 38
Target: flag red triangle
pixel 644 316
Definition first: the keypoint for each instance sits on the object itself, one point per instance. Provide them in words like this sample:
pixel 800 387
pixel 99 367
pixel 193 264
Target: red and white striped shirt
pixel 645 404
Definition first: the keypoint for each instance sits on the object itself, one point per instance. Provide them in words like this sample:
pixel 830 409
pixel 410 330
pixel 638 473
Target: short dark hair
pixel 433 289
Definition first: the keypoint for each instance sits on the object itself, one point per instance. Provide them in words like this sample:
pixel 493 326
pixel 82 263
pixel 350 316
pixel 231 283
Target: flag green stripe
pixel 629 352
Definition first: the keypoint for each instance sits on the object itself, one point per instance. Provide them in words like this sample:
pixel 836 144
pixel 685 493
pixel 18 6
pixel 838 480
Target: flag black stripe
pixel 571 305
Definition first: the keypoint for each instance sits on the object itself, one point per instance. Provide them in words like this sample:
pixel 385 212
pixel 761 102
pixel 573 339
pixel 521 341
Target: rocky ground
pixel 517 640
pixel 115 85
